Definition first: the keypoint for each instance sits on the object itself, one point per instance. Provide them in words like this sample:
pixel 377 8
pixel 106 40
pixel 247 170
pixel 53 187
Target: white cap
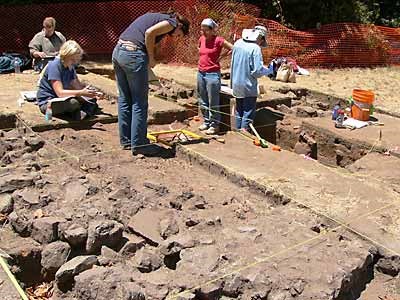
pixel 209 22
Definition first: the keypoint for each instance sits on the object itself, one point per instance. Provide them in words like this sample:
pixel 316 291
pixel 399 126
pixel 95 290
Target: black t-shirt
pixel 135 33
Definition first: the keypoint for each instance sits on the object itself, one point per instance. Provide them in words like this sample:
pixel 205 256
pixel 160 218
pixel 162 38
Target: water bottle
pixel 17 67
pixel 335 112
pixel 339 119
pixel 49 114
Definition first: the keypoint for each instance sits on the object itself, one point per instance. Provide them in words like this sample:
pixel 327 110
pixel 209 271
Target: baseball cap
pixel 209 22
pixel 262 32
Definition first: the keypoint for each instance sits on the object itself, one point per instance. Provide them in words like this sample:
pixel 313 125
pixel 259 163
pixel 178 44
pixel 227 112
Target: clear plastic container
pixel 17 66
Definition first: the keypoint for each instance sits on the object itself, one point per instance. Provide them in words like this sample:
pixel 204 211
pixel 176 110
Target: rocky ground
pixel 82 219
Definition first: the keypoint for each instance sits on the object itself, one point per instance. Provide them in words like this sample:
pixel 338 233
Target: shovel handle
pixel 255 131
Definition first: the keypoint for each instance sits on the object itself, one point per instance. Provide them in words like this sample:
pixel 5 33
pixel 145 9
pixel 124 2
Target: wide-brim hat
pixel 251 35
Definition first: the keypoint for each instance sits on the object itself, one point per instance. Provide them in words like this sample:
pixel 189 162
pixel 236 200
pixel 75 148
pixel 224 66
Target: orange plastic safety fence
pixel 97 26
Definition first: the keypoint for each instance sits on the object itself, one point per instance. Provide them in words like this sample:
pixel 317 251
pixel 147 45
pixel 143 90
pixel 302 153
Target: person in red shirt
pixel 209 75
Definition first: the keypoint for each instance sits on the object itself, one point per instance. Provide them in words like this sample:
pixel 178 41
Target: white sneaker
pixel 203 127
pixel 212 130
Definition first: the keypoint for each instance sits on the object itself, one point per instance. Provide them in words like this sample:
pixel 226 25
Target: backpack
pixel 7 62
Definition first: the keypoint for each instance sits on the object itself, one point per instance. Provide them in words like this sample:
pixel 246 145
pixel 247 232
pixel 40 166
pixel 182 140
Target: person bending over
pixel 132 56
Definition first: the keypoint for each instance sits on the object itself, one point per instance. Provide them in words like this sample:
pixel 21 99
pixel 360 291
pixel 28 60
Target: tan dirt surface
pixel 339 82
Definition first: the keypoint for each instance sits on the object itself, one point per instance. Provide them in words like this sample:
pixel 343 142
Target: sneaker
pixel 212 130
pixel 203 127
pixel 149 150
pixel 126 147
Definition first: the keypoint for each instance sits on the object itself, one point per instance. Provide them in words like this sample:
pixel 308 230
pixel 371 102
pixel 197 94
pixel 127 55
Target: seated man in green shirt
pixel 46 44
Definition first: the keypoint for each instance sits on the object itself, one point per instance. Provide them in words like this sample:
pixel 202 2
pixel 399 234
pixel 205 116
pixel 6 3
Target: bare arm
pixel 227 45
pixel 150 38
pixel 228 49
pixel 61 92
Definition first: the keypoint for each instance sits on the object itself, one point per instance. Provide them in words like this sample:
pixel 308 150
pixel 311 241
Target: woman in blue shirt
pixel 59 80
pixel 132 57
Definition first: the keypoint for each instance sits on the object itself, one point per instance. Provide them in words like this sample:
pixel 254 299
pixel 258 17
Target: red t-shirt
pixel 209 53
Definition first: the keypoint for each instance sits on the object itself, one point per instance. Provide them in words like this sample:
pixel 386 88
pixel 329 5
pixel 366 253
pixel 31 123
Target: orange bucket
pixel 363 100
pixel 363 96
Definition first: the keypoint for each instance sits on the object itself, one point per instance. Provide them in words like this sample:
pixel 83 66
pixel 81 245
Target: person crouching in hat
pixel 209 75
pixel 246 66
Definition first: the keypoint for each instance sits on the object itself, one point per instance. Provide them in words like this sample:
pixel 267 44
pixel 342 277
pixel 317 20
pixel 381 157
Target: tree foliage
pixel 304 14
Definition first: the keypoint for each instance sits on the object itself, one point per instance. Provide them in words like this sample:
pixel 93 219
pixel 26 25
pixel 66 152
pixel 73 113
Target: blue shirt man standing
pixel 246 66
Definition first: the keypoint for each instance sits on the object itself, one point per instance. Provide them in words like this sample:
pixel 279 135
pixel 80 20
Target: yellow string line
pixel 51 144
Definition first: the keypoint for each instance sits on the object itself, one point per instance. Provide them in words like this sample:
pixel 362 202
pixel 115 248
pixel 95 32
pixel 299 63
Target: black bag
pixel 90 107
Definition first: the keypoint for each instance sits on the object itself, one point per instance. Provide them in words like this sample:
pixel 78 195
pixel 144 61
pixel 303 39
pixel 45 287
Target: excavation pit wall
pixel 92 214
pixel 305 127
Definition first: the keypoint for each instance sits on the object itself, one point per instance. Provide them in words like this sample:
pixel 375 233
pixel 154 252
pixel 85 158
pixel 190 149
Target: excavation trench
pixel 279 120
pixel 221 222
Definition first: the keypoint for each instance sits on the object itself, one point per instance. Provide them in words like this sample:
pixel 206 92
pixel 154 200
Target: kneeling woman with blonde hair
pixel 59 80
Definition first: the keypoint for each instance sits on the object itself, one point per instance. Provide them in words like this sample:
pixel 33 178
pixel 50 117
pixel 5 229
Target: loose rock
pixel 6 204
pixel 146 224
pixel 192 221
pixel 210 291
pixel 119 194
pixel 147 261
pixel 75 235
pixel 34 143
pixel 233 287
pixel 285 109
pixel 106 283
pixel 12 182
pixel 45 230
pixel 132 245
pixel 107 233
pixel 65 275
pixel 168 227
pixel 389 265
pixel 109 256
pixel 20 223
pixel 160 189
pixel 186 296
pixel 29 198
pixel 54 255
pixel 200 203
pixel 306 112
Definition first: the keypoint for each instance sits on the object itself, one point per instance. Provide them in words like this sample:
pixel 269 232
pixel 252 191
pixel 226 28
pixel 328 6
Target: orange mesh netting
pixel 97 25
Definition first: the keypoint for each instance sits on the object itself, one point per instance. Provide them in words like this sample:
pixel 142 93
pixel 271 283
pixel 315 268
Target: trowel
pixel 153 79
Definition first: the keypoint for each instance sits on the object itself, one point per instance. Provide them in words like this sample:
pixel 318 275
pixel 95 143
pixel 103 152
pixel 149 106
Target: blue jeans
pixel 245 112
pixel 208 88
pixel 132 79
